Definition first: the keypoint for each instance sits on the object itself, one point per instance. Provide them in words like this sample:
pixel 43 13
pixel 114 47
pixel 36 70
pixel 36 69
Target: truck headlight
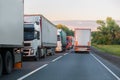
pixel 32 51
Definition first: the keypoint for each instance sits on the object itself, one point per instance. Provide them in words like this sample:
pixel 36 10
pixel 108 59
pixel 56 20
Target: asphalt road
pixel 66 66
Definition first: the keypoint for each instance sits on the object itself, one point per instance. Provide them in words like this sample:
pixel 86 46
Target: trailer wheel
pixel 39 53
pixel 1 65
pixel 8 66
pixel 53 51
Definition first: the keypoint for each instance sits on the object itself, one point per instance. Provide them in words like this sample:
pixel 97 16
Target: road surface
pixel 67 66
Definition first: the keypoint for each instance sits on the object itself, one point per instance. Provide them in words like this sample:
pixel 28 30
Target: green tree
pixel 108 32
pixel 66 29
pixel 113 29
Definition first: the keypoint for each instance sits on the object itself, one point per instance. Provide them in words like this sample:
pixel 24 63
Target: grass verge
pixel 111 49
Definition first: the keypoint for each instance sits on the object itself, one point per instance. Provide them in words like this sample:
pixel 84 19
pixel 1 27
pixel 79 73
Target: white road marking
pixel 23 77
pixel 65 53
pixel 56 59
pixel 106 67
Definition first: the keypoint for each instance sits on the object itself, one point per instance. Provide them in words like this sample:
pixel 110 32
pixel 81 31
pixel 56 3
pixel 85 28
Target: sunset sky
pixel 74 9
pixel 71 10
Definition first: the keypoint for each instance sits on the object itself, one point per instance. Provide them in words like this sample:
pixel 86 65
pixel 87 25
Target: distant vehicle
pixel 73 41
pixel 82 40
pixel 61 41
pixel 70 41
pixel 40 36
pixel 11 34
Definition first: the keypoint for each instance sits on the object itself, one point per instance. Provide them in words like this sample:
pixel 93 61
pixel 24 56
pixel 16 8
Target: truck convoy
pixel 40 36
pixel 61 40
pixel 70 41
pixel 82 40
pixel 11 34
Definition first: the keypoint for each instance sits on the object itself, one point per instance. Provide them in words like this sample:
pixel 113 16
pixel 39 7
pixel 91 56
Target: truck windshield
pixel 28 32
pixel 28 36
pixel 58 37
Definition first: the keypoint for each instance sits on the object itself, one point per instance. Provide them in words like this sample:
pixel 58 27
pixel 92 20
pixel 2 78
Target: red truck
pixel 70 42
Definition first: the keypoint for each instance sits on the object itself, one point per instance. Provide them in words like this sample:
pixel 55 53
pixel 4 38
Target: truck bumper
pixel 58 49
pixel 82 49
pixel 28 52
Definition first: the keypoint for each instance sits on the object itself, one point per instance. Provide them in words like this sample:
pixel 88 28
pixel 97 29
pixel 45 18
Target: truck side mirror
pixel 37 23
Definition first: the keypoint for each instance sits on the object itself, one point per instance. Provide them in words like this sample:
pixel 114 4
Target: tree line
pixel 108 32
pixel 66 29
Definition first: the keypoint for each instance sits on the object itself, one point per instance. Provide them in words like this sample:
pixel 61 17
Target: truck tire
pixel 37 56
pixel 8 60
pixel 39 53
pixel 53 51
pixel 44 56
pixel 45 53
pixel 51 54
pixel 1 65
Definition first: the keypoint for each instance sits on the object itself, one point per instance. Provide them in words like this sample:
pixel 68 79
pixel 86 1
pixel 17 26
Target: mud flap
pixel 18 65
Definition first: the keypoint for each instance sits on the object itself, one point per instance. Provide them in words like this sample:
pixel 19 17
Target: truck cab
pixel 40 36
pixel 59 42
pixel 32 40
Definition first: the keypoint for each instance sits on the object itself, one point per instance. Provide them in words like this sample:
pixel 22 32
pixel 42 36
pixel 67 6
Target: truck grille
pixel 26 52
pixel 26 44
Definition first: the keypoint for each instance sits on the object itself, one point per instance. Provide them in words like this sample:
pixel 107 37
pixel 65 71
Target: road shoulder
pixel 111 58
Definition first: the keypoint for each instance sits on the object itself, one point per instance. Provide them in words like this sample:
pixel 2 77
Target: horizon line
pixel 80 20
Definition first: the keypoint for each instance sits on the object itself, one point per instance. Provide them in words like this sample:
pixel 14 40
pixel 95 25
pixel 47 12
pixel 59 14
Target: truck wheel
pixel 45 53
pixel 44 56
pixel 1 65
pixel 37 56
pixel 53 51
pixel 8 66
pixel 39 53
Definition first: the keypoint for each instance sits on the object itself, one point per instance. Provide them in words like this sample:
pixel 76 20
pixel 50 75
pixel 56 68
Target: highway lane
pixel 73 67
pixel 28 66
pixel 64 66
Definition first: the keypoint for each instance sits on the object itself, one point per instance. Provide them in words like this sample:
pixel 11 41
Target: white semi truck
pixel 61 41
pixel 82 40
pixel 40 36
pixel 11 34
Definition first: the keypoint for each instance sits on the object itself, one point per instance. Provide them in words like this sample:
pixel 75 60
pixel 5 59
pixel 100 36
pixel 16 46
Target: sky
pixel 72 12
pixel 74 9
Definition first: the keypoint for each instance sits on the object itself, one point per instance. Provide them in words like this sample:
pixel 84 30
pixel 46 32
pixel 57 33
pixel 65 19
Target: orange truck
pixel 69 42
pixel 82 40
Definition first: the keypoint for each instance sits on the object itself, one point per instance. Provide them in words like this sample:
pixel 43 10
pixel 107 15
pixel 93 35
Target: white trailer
pixel 82 40
pixel 11 34
pixel 47 41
